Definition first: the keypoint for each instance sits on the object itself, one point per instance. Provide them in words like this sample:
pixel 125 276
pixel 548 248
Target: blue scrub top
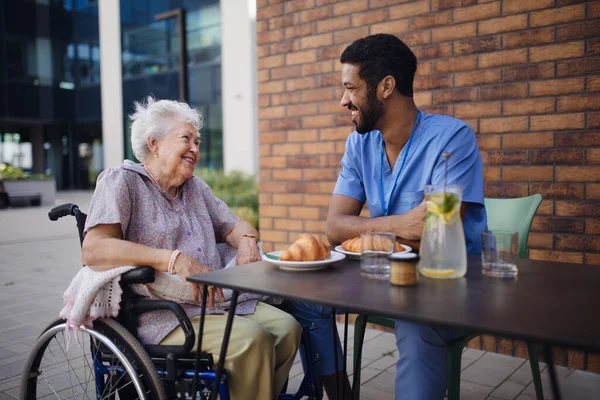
pixel 362 171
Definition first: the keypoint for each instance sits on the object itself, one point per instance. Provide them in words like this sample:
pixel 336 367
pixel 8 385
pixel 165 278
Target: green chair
pixel 502 214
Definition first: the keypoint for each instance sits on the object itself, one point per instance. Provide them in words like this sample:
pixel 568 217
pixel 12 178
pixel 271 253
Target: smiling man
pixel 395 151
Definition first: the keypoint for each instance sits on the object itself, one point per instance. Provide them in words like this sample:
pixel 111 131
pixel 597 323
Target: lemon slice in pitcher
pixel 437 273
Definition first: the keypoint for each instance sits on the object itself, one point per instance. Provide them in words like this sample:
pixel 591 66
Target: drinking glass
pixel 375 248
pixel 499 253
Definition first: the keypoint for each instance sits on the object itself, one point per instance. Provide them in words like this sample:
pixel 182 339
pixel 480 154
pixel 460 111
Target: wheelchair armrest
pixel 142 306
pixel 138 275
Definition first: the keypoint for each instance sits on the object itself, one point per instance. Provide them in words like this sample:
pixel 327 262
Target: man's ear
pixel 387 86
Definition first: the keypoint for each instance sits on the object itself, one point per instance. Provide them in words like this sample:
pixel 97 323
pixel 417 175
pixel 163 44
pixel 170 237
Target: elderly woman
pixel 158 214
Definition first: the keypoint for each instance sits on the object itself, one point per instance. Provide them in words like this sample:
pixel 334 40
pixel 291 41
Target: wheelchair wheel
pixel 108 363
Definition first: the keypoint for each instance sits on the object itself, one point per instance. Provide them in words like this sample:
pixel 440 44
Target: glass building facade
pixel 150 61
pixel 50 114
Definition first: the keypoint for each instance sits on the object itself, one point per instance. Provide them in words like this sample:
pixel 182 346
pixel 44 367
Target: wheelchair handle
pixel 62 211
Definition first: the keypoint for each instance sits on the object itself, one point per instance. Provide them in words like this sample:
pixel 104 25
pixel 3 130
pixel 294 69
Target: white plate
pixel 352 254
pixel 302 265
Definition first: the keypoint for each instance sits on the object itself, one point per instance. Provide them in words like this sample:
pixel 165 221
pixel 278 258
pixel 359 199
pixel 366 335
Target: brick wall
pixel 524 74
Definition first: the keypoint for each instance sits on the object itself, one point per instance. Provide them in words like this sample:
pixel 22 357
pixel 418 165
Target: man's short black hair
pixel 380 55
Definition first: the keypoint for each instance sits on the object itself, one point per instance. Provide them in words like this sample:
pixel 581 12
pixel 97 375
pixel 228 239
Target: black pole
pixel 199 341
pixel 224 344
pixel 552 371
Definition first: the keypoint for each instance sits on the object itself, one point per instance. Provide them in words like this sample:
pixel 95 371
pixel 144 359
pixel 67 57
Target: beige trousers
pixel 261 349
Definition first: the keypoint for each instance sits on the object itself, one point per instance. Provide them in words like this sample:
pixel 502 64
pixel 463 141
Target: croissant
pixel 306 248
pixel 353 245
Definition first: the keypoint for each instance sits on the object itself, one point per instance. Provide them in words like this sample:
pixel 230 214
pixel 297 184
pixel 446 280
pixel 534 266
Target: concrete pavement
pixel 38 258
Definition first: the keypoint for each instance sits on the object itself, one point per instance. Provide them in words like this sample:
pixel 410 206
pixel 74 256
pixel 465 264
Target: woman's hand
pixel 247 251
pixel 186 266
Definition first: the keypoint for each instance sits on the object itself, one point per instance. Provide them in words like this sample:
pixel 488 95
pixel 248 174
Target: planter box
pixel 45 187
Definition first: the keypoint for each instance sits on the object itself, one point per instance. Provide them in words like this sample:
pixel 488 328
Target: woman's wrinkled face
pixel 178 151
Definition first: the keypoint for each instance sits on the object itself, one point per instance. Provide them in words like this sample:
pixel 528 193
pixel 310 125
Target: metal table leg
pixel 552 371
pixel 356 376
pixel 199 340
pixel 335 355
pixel 224 344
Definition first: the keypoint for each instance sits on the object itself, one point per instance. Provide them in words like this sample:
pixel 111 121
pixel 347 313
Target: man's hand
pixel 410 225
pixel 247 251
pixel 186 266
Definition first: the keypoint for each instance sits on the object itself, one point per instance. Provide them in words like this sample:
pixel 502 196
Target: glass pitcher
pixel 443 249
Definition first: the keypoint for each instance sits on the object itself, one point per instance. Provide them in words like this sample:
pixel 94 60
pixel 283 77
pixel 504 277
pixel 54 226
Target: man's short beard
pixel 370 114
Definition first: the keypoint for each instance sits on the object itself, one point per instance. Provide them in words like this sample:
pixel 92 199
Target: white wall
pixel 238 75
pixel 111 81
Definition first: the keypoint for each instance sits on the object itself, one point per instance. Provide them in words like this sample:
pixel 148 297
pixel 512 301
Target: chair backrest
pixel 514 215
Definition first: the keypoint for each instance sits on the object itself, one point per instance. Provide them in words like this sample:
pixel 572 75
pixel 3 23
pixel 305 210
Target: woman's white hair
pixel 155 118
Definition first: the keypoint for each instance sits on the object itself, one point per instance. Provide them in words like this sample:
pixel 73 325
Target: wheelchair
pixel 108 362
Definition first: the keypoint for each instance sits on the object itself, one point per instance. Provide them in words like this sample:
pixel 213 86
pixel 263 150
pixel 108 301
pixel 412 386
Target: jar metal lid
pixel 403 256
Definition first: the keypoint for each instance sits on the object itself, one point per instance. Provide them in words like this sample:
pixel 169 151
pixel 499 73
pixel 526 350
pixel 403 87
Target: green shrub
pixel 9 172
pixel 237 189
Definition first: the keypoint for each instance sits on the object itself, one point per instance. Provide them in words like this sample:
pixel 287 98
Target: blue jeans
pixel 422 370
pixel 318 320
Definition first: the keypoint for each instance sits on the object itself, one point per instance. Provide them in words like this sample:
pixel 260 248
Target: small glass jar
pixel 404 271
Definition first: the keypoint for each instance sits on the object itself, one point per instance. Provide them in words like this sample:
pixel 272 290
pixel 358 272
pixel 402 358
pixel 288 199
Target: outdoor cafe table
pixel 550 303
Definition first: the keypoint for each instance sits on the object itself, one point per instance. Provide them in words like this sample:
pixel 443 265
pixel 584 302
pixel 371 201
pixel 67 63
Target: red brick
pixel 556 86
pixel 445 4
pixel 593 360
pixel 299 31
pixel 281 22
pixel 547 206
pixel 432 82
pixel 553 224
pixel 392 27
pixel 593 47
pixel 477 45
pixel 505 189
pixel 321 121
pixel 454 64
pixel 527 140
pixel 507 57
pixel 320 67
pixel 264 100
pixel 311 42
pixel 453 32
pixel 284 47
pixel 504 24
pixel 582 66
pixel 333 24
pixel 584 139
pixel 264 150
pixel 306 109
pixel 482 11
pixel 301 57
pixel 557 122
pixel 270 187
pixel 558 156
pixel 349 7
pixel 579 30
pixel 581 243
pixel 264 126
pixel 285 72
pixel 303 161
pixel 527 174
pixel 319 148
pixel 314 226
pixel 264 75
pixel 271 113
pixel 503 91
pixel 528 106
pixel 273 236
pixel 540 240
pixel 261 3
pixel 593 120
pixel 331 52
pixel 577 174
pixel 476 78
pixel 320 174
pixel 297 5
pixel 273 211
pixel 557 15
pixel 442 110
pixel 287 174
pixel 343 120
pixel 577 208
pixel 288 224
pixel 271 87
pixel 431 20
pixel 340 133
pixel 304 212
pixel 269 12
pixel 491 174
pixel 409 10
pixel 558 256
pixel 314 14
pixel 303 135
pixel 269 37
pixel 381 3
pixel 579 103
pixel 317 95
pixel 302 187
pixel 349 35
pixel 285 123
pixel 530 37
pixel 504 157
pixel 329 107
pixel 529 72
pixel 422 98
pixel 593 84
pixel 592 226
pixel 476 110
pixel 433 51
pixel 595 9
pixel 300 83
pixel 271 62
pixel 593 191
pixel 489 142
pixel 262 26
pixel 285 98
pixel 556 51
pixel 517 6
pixel 504 124
pixel 416 38
pixel 369 18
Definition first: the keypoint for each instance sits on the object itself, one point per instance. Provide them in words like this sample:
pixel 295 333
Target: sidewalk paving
pixel 38 258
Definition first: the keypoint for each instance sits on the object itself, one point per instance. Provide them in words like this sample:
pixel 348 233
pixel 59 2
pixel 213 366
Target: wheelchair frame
pixel 174 366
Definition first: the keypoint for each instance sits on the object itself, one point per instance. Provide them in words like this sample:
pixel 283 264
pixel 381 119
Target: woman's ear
pixel 387 85
pixel 153 146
